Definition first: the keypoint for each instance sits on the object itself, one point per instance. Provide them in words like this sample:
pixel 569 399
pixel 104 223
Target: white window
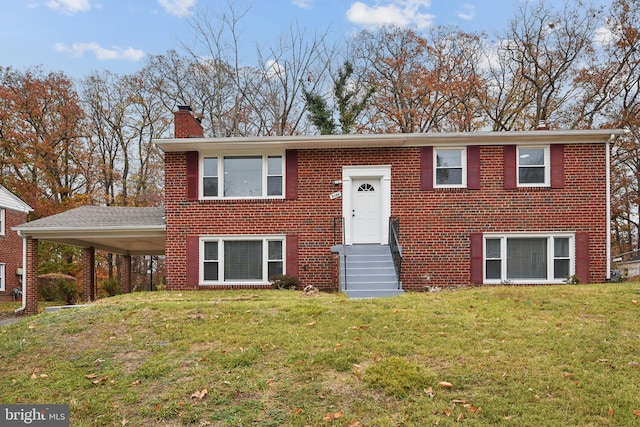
pixel 257 176
pixel 450 167
pixel 528 258
pixel 253 259
pixel 533 166
pixel 1 222
pixel 2 277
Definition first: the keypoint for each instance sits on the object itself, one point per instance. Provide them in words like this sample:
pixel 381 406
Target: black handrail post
pixel 394 245
pixel 344 249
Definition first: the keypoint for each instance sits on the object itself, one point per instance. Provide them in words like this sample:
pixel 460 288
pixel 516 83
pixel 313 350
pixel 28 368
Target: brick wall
pixel 435 225
pixel 11 252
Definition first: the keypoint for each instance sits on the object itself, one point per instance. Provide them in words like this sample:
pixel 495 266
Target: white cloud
pixel 177 7
pixel 274 69
pixel 603 36
pixel 396 12
pixel 303 4
pixel 467 13
pixel 103 54
pixel 69 6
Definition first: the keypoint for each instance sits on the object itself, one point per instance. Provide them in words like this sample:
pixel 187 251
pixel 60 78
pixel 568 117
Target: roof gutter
pixel 24 276
pixel 384 140
pixel 608 197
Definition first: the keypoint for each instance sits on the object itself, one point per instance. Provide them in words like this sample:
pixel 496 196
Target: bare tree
pixel 123 118
pixel 545 46
pixel 262 99
pixel 275 90
pixel 422 83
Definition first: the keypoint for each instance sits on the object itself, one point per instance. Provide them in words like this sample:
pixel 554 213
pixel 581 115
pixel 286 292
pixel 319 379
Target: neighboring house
pixel 378 214
pixel 13 211
pixel 626 265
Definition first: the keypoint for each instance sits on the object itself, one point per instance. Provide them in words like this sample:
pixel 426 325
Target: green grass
pixel 525 356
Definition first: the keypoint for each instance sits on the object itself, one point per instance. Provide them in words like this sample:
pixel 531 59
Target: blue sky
pixel 79 36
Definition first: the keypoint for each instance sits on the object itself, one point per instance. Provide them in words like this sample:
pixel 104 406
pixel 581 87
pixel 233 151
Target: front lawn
pixel 525 356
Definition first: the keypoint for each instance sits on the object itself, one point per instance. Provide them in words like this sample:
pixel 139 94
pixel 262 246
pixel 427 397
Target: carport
pixel 126 231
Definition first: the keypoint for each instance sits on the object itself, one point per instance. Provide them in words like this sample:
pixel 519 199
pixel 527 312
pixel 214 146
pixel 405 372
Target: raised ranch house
pixel 380 214
pixel 13 212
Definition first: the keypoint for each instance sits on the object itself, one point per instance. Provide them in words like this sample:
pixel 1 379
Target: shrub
pixel 397 376
pixel 284 281
pixel 111 287
pixel 58 287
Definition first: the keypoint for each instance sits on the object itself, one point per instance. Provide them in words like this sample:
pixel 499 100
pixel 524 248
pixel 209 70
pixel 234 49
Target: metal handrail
pixel 394 245
pixel 344 247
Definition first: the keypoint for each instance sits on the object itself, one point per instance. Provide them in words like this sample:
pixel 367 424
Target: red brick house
pixel 378 214
pixel 13 211
pixel 370 215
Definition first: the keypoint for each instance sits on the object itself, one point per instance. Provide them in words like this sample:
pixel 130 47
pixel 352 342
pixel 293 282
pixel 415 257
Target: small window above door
pixel 366 187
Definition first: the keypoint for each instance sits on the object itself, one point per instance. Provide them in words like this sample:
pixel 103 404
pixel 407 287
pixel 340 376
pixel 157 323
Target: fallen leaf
pixel 99 380
pixel 332 416
pixel 32 326
pixel 429 392
pixel 458 401
pixel 355 424
pixel 445 384
pixel 312 323
pixel 633 301
pixel 636 412
pixel 568 375
pixel 337 347
pixel 90 376
pixel 298 411
pixel 200 394
pixel 447 412
pixel 473 409
pixel 460 418
pixel 610 411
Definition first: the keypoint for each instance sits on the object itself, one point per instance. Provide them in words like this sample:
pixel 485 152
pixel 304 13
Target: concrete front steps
pixel 370 272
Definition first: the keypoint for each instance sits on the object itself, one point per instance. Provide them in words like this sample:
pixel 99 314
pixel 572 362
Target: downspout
pixel 24 275
pixel 608 192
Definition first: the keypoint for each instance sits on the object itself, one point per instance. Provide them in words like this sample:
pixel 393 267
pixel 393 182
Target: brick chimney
pixel 542 125
pixel 185 124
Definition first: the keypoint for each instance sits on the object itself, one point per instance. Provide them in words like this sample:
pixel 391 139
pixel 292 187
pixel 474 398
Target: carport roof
pixel 121 230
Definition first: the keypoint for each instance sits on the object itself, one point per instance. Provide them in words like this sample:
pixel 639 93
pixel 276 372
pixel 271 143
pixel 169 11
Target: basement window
pixel 241 259
pixel 528 258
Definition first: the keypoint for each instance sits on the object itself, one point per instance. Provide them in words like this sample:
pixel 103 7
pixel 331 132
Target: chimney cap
pixel 184 108
pixel 542 125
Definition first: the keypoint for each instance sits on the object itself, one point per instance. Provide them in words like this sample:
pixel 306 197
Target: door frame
pixel 380 174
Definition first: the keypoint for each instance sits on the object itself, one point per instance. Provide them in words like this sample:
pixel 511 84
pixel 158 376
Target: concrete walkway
pixel 6 322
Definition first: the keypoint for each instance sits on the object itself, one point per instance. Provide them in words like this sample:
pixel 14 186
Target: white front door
pixel 366 213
